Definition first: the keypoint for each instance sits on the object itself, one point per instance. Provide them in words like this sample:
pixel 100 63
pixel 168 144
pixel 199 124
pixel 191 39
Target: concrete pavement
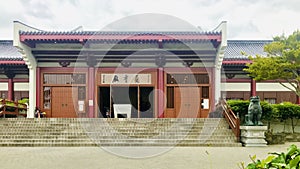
pixel 98 158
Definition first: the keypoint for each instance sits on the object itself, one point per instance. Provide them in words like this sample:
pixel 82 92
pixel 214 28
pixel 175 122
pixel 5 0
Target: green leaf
pixel 292 149
pixel 294 163
pixel 268 159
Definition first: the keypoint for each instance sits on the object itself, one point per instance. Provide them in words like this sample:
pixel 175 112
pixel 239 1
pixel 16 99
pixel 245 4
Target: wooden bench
pixel 12 108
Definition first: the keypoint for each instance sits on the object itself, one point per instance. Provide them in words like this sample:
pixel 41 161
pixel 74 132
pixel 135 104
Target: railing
pixel 231 118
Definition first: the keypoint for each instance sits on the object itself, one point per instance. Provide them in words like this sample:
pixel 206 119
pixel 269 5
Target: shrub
pixel 285 111
pixel 282 111
pixel 290 160
pixel 241 107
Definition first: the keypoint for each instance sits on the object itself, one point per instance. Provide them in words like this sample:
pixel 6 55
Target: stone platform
pixel 253 136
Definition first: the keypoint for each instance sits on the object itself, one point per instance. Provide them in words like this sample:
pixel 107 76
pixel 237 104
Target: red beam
pixel 232 62
pixel 186 70
pixel 127 70
pixel 12 62
pixel 21 80
pixel 237 80
pixel 248 80
pixel 62 69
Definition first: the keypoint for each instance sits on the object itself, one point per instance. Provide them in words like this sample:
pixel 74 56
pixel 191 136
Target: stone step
pixel 115 132
pixel 113 125
pixel 118 131
pixel 24 144
pixel 133 140
pixel 119 136
pixel 216 133
pixel 30 144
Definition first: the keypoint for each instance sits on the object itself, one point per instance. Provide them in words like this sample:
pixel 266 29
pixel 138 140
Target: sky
pixel 246 19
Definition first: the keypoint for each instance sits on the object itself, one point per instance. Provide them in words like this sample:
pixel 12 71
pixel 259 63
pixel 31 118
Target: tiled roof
pixel 233 52
pixel 8 52
pixel 250 47
pixel 127 33
pixel 43 36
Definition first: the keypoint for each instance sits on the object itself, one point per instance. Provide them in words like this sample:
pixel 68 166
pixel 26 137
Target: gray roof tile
pixel 119 33
pixel 250 47
pixel 8 51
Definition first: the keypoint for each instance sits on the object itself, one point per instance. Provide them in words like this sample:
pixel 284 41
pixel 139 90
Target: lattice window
pixel 187 79
pixel 64 78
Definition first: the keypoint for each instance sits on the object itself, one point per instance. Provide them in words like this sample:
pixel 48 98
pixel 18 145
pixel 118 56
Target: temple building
pixel 160 74
pixel 237 85
pixel 13 72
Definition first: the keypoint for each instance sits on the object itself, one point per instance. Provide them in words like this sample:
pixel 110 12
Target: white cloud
pixel 253 19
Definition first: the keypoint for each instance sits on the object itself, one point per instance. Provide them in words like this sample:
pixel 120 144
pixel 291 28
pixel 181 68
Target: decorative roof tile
pixel 250 47
pixel 8 52
pixel 128 33
pixel 81 36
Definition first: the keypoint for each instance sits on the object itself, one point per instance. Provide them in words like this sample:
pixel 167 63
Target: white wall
pixel 235 86
pixel 17 86
pixel 271 87
pixel 3 86
pixel 21 86
pixel 259 87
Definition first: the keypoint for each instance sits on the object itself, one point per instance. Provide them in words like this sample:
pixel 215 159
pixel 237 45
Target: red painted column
pixel 297 99
pixel 253 87
pixel 10 89
pixel 161 95
pixel 213 90
pixel 91 92
pixel 38 87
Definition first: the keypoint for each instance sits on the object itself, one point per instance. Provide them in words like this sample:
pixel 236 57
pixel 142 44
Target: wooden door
pixel 187 102
pixel 63 103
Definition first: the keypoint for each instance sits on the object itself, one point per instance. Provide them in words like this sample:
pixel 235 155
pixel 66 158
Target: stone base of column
pixel 253 136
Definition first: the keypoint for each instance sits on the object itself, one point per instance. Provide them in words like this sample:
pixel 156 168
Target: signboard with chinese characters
pixel 125 78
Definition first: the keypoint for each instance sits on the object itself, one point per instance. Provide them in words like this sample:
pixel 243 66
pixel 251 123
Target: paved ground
pixel 97 158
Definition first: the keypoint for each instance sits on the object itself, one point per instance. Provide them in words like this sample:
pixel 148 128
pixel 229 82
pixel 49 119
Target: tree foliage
pixel 281 64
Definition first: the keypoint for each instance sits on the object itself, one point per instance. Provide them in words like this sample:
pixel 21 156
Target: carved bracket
pixel 160 60
pixel 229 75
pixel 126 63
pixel 64 63
pixel 9 74
pixel 91 61
pixel 188 63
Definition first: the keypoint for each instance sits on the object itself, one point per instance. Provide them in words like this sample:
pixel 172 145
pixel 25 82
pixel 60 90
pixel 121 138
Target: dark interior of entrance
pixel 140 98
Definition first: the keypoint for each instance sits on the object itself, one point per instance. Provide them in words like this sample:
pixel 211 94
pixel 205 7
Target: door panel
pixel 187 102
pixel 62 102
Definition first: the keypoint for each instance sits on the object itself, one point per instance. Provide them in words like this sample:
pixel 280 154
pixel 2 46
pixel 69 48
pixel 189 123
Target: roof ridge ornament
pixel 78 29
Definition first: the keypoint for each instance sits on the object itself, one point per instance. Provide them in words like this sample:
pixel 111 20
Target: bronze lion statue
pixel 253 118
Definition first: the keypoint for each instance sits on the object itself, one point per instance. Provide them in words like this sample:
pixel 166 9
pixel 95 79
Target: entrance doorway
pixel 62 102
pixel 140 98
pixel 187 102
pixel 188 95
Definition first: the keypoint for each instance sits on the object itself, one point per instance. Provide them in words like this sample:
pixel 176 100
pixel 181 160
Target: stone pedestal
pixel 253 136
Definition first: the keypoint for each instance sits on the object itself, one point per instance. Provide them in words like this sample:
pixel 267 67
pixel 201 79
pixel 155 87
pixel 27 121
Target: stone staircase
pixel 71 132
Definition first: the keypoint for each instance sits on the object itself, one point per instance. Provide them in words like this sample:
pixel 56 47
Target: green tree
pixel 281 64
